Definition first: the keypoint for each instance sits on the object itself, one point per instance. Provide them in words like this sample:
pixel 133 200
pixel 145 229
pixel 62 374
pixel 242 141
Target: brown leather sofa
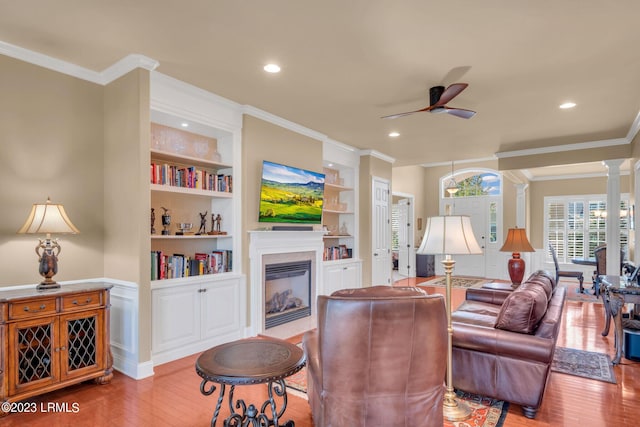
pixel 377 358
pixel 503 341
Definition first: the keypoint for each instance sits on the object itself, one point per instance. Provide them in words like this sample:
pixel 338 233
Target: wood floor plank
pixel 172 396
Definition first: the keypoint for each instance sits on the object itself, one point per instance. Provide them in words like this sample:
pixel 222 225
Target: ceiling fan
pixel 438 97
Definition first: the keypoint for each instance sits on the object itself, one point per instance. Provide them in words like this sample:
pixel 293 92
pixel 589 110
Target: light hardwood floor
pixel 172 396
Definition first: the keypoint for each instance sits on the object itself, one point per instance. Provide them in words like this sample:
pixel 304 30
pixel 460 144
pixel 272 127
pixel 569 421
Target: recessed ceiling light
pixel 184 124
pixel 394 134
pixel 567 105
pixel 272 68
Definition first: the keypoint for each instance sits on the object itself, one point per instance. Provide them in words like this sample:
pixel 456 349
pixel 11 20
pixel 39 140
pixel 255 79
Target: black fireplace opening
pixel 287 292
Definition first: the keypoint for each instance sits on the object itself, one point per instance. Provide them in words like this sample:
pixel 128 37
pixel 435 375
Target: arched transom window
pixel 472 183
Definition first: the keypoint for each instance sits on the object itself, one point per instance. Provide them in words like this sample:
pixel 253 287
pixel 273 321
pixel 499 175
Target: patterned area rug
pixel 456 282
pixel 487 412
pixel 587 364
pixel 573 291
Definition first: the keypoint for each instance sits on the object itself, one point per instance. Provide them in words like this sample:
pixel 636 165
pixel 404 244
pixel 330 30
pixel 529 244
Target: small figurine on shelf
pixel 153 221
pixel 166 221
pixel 344 231
pixel 203 223
pixel 213 224
pixel 218 223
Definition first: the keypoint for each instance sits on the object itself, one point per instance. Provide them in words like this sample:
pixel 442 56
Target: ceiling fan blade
pixel 449 93
pixel 460 112
pixel 455 74
pixel 395 116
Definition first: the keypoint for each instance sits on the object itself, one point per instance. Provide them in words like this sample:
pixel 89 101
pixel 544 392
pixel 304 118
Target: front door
pixel 381 233
pixel 483 211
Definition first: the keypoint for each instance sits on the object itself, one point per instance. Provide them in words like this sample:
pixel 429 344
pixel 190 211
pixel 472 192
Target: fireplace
pixel 287 290
pixel 288 263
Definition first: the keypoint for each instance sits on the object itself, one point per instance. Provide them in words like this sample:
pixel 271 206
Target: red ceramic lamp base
pixel 516 269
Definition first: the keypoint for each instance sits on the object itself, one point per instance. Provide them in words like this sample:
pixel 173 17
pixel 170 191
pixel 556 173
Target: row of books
pixel 332 253
pixel 190 177
pixel 164 266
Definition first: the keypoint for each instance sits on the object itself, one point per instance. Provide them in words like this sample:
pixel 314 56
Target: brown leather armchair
pixel 377 358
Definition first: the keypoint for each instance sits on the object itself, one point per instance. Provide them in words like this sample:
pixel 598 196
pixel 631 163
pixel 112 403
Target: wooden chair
pixel 601 266
pixel 562 273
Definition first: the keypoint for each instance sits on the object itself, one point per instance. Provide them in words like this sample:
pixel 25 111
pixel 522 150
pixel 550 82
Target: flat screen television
pixel 290 195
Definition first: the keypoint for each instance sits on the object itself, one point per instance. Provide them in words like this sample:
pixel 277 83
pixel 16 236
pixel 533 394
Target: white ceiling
pixel 347 63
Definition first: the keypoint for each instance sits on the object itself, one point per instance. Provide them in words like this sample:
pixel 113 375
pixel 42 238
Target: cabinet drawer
pixel 26 309
pixel 82 301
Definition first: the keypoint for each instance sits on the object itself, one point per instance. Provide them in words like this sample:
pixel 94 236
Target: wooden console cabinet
pixel 52 339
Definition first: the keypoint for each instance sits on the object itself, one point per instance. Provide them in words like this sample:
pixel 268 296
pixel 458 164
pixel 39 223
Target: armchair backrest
pixel 383 356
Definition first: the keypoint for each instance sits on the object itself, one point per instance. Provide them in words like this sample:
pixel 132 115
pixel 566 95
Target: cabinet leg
pixel 108 373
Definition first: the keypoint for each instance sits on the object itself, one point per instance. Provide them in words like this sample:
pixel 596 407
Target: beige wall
pixel 540 189
pixel 51 139
pixel 126 192
pixel 265 141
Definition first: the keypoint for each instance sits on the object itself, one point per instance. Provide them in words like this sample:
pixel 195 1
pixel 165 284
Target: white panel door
pixel 406 251
pixel 381 233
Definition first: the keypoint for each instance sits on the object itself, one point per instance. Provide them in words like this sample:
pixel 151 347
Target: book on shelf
pixel 332 253
pixel 190 177
pixel 165 266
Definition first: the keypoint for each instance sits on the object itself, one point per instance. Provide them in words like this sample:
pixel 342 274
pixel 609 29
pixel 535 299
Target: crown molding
pixel 115 71
pixel 573 176
pixel 340 145
pixel 377 154
pixel 126 65
pixel 565 147
pixel 458 162
pixel 279 121
pixel 634 128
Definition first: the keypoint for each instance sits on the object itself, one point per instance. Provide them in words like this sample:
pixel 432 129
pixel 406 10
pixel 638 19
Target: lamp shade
pixel 449 235
pixel 517 241
pixel 48 218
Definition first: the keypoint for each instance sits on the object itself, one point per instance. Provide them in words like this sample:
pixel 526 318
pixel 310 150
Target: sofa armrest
pixel 491 296
pixel 311 349
pixel 502 343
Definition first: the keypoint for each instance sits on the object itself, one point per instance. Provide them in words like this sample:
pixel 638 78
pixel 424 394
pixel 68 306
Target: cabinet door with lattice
pixel 34 354
pixel 82 342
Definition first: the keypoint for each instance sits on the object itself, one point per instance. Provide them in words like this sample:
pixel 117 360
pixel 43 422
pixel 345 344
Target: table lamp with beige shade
pixel 48 218
pixel 515 243
pixel 450 235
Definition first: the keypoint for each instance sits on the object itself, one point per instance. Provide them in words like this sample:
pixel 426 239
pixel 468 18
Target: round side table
pixel 245 362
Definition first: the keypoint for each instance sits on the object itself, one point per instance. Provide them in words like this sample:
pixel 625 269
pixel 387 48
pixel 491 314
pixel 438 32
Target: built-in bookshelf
pixel 191 184
pixel 338 214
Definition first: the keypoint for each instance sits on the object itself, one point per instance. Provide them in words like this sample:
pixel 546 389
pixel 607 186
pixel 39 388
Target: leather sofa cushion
pixel 543 279
pixel 523 309
pixel 476 313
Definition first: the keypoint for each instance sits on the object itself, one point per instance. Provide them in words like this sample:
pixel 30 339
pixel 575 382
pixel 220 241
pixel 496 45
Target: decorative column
pixel 613 216
pixel 521 203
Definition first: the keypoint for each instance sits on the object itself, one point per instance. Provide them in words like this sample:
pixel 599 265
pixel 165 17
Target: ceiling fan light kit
pixel 438 98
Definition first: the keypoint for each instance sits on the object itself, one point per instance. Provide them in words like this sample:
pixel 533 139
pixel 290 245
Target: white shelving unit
pixel 193 128
pixel 340 217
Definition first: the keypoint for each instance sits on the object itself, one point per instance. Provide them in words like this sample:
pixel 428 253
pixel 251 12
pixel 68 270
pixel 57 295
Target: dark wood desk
pixel 245 362
pixel 584 261
pixel 617 293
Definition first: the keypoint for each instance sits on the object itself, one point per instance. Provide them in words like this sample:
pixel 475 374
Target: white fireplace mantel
pixel 264 243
